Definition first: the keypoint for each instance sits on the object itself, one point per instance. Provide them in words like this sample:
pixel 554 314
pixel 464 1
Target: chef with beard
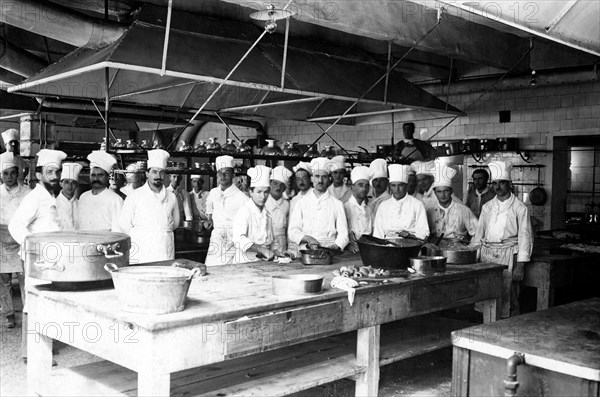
pixel 279 208
pixel 100 207
pixel 67 203
pixel 151 213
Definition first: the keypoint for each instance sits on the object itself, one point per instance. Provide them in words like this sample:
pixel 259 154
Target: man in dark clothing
pixel 410 149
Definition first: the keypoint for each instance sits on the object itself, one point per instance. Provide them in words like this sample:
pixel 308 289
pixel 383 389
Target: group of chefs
pixel 386 201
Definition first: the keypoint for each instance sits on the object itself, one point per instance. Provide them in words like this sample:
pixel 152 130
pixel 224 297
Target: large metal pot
pixel 428 264
pixel 75 256
pixel 387 254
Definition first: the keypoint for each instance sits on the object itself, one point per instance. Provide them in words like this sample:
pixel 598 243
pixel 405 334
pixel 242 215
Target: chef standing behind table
pixel 505 235
pixel 222 204
pixel 380 183
pixel 303 182
pixel 358 211
pixel 134 176
pixel 183 199
pixel 252 227
pixel 279 208
pixel 11 193
pixel 100 207
pixel 150 214
pixel 425 178
pixel 67 203
pixel 198 202
pixel 338 188
pixel 319 218
pixel 449 217
pixel 401 215
pixel 480 193
pixel 37 212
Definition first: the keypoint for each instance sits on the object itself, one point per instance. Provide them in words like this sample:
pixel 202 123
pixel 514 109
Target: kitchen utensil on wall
pixel 538 195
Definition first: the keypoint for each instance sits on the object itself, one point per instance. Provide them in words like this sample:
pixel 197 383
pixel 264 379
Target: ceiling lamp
pixel 533 81
pixel 271 17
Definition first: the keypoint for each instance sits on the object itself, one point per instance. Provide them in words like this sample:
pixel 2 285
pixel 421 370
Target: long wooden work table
pixel 236 338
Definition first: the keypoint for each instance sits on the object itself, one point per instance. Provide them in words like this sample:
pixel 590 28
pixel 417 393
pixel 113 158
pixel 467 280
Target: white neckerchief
pixel 498 219
pixel 444 218
pixel 478 195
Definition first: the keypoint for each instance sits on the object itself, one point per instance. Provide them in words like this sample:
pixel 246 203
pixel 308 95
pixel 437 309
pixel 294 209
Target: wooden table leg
pixel 490 310
pixel 151 383
pixel 545 297
pixel 39 358
pixel 367 355
pixel 460 371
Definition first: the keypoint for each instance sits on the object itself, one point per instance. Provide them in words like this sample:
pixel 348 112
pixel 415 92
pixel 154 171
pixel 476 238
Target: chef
pixel 222 204
pixel 449 217
pixel 11 139
pixel 338 188
pixel 424 173
pixel 150 214
pixel 183 199
pixel 279 208
pixel 198 202
pixel 480 193
pixel 319 218
pixel 505 236
pixel 67 203
pixel 100 207
pixel 412 183
pixel 358 211
pixel 401 215
pixel 11 193
pixel 134 176
pixel 303 182
pixel 380 183
pixel 252 227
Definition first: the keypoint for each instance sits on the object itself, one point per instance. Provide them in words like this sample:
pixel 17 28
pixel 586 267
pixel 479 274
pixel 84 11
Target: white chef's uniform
pixel 406 214
pixel 99 211
pixel 454 222
pixel 375 202
pixel 198 202
pixel 430 200
pixel 250 226
pixel 150 218
pixel 297 198
pixel 279 211
pixel 359 217
pixel 183 200
pixel 223 205
pixel 341 193
pixel 68 211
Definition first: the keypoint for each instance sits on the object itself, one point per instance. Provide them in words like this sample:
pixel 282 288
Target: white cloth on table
pixel 407 214
pixel 279 211
pixel 359 217
pixel 99 211
pixel 68 211
pixel 11 199
pixel 251 226
pixel 455 221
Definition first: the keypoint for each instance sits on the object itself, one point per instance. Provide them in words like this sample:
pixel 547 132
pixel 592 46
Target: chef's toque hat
pixel 195 176
pixel 7 160
pixel 71 171
pixel 340 160
pixel 157 158
pixel 260 176
pixel 101 159
pixel 50 157
pixel 281 174
pixel 379 168
pixel 399 173
pixel 423 167
pixel 500 170
pixel 223 162
pixel 443 175
pixel 10 135
pixel 323 165
pixel 302 166
pixel 359 173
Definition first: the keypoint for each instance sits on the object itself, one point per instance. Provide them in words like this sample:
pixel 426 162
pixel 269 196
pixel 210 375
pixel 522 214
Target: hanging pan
pixel 538 195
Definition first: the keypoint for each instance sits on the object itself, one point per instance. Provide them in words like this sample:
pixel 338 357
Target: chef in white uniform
pixel 338 187
pixel 303 182
pixel 319 218
pixel 198 201
pixel 11 139
pixel 279 208
pixel 401 215
pixel 100 207
pixel 222 204
pixel 134 176
pixel 11 194
pixel 252 226
pixel 449 217
pixel 183 199
pixel 67 203
pixel 358 211
pixel 424 171
pixel 380 183
pixel 505 235
pixel 150 214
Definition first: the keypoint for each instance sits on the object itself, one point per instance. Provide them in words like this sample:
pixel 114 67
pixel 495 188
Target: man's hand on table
pixel 518 271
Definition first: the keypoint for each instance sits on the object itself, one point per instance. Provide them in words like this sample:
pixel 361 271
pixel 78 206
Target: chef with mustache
pixel 100 207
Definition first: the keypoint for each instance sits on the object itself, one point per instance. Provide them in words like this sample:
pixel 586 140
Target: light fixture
pixel 533 81
pixel 271 17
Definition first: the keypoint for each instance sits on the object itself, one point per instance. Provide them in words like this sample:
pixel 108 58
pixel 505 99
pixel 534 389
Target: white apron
pixel 504 253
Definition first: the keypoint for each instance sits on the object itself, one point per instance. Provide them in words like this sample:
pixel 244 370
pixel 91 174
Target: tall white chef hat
pixel 302 166
pixel 223 162
pixel 7 160
pixel 500 170
pixel 379 168
pixel 323 165
pixel 50 157
pixel 101 159
pixel 399 173
pixel 71 171
pixel 10 135
pixel 195 176
pixel 157 158
pixel 340 160
pixel 443 175
pixel 260 176
pixel 423 167
pixel 359 173
pixel 281 174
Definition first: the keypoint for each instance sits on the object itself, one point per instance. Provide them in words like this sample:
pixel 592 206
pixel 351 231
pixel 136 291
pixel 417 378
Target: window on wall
pixel 583 185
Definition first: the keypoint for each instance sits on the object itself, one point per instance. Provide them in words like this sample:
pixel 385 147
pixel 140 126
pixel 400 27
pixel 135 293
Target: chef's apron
pixel 151 245
pixel 221 250
pixel 504 253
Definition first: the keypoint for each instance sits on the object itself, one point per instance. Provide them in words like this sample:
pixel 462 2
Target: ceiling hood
pixel 202 51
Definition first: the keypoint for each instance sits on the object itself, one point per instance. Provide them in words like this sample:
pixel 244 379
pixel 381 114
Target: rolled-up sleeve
pixel 525 235
pixel 341 225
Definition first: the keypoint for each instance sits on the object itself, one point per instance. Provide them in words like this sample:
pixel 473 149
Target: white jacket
pixel 251 226
pixel 99 211
pixel 455 221
pixel 407 214
pixel 359 217
pixel 10 201
pixel 68 211
pixel 279 211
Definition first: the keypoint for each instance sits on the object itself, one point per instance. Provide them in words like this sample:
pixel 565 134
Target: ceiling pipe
pixel 60 23
pixel 19 61
pixel 190 132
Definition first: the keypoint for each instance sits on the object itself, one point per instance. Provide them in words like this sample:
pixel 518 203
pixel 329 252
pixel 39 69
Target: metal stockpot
pixel 75 256
pixel 387 254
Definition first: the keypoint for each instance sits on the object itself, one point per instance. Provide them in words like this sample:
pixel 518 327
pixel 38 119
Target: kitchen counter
pixel 231 313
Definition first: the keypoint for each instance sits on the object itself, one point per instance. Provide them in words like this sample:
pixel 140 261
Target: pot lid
pixel 77 239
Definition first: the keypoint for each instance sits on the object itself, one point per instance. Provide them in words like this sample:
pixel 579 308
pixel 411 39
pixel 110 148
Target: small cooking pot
pixel 316 257
pixel 428 264
pixel 297 284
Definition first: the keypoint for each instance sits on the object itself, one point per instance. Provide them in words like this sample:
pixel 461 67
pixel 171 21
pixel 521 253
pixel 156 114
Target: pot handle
pixel 44 265
pixel 195 272
pixel 110 267
pixel 106 249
